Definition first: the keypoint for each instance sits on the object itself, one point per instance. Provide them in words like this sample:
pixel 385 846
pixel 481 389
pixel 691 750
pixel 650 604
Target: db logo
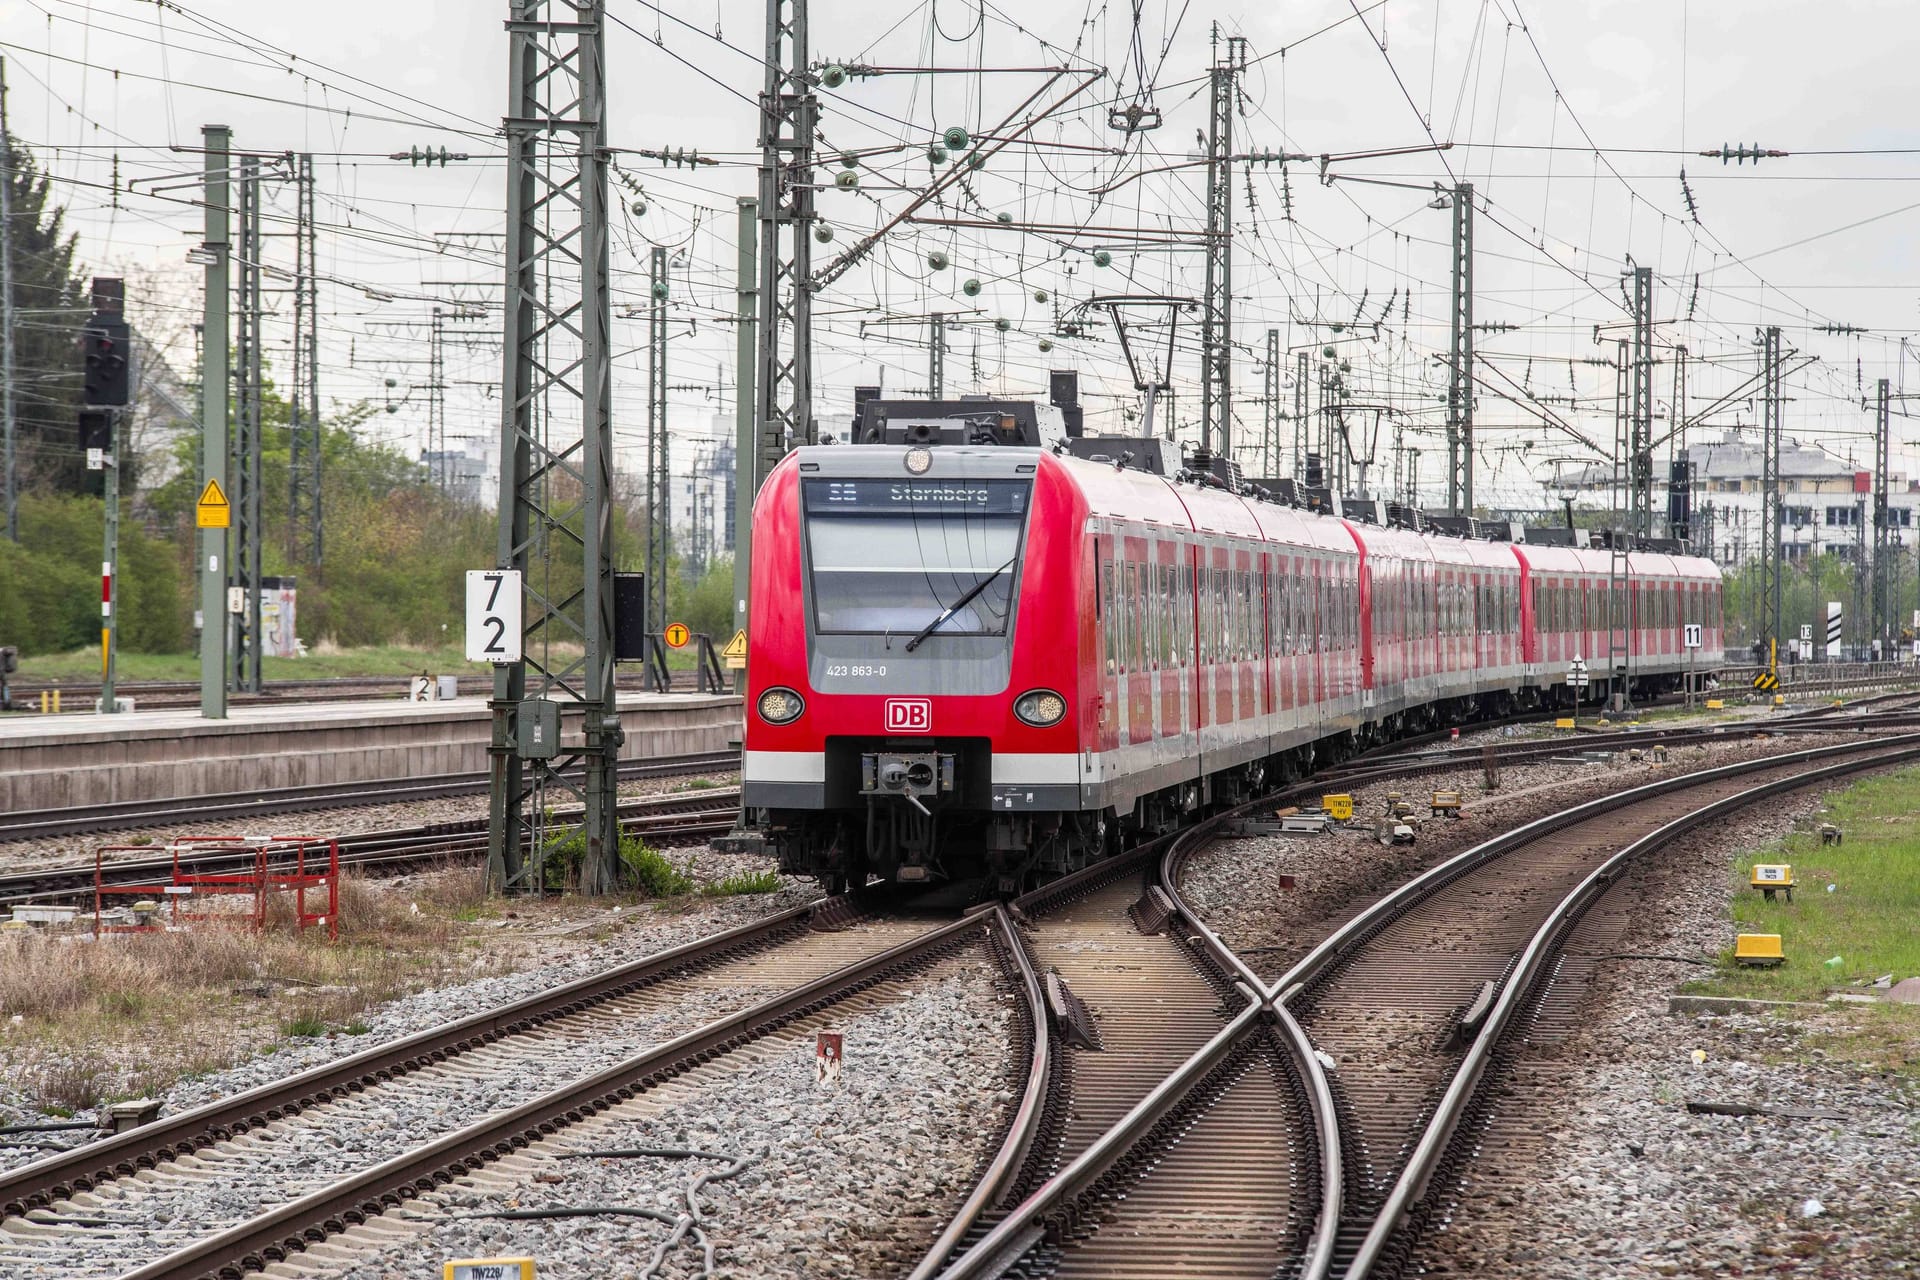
pixel 909 715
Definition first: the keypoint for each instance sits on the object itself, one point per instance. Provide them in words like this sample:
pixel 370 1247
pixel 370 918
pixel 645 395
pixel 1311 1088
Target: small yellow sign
pixel 213 511
pixel 678 635
pixel 488 1269
pixel 1339 807
pixel 735 653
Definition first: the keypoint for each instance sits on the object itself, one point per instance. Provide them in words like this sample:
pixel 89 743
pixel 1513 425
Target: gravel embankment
pixel 571 949
pixel 844 1180
pixel 1633 1184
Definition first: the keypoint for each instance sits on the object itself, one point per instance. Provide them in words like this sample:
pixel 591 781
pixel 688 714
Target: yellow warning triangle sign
pixel 736 647
pixel 213 511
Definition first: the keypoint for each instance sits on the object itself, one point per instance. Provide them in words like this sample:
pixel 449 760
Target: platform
pixel 52 762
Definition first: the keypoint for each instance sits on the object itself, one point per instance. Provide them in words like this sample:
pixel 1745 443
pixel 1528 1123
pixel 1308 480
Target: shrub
pixel 657 878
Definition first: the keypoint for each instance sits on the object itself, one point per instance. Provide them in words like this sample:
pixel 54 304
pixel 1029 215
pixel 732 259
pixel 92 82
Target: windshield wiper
pixel 959 604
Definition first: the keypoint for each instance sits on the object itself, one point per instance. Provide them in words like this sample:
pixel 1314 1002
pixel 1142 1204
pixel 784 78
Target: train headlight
pixel 781 706
pixel 1040 708
pixel 919 461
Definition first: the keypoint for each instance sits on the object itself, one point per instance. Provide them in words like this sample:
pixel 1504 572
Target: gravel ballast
pixel 637 932
pixel 840 1180
pixel 1632 1183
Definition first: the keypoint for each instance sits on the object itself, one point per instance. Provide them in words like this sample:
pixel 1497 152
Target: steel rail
pixel 1336 946
pixel 288 1230
pixel 1415 1178
pixel 1020 1230
pixel 1012 1154
pixel 120 815
pixel 1022 1227
pixel 41 1182
pixel 696 813
pixel 1326 1118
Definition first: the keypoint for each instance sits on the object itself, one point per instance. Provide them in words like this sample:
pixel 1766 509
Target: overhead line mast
pixel 1216 320
pixel 556 487
pixel 789 115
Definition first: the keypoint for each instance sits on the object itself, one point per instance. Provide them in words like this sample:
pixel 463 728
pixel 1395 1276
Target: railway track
pixel 78 697
pixel 664 819
pixel 1325 1125
pixel 134 1204
pixel 35 824
pixel 1215 1125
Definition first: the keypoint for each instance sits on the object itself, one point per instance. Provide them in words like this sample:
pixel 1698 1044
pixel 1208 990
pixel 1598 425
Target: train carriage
pixel 988 659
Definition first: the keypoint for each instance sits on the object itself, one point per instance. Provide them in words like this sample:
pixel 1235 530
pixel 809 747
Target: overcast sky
pixel 114 91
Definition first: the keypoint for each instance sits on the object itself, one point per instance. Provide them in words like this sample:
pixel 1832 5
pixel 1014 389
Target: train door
pixel 1172 658
pixel 1139 680
pixel 1112 622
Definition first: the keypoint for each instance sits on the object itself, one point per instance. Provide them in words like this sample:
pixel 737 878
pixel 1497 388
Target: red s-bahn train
pixel 974 659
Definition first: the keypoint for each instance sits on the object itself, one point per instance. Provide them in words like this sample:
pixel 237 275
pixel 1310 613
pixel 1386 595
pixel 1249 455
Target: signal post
pixel 106 390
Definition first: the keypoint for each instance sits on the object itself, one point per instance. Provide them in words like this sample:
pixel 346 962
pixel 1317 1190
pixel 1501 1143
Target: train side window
pixel 1103 569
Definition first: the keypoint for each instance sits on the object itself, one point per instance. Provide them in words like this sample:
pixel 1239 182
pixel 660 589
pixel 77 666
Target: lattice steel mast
pixel 304 543
pixel 659 494
pixel 1882 615
pixel 1460 358
pixel 556 448
pixel 788 115
pixel 1639 460
pixel 1770 602
pixel 243 570
pixel 1216 320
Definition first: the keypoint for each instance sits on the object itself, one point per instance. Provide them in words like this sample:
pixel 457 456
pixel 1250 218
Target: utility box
pixel 538 735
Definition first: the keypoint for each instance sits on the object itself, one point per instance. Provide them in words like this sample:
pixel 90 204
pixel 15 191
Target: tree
pixel 50 307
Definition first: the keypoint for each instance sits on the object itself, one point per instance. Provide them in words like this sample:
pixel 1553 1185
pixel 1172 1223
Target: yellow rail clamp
pixel 1771 877
pixel 1716 704
pixel 1759 950
pixel 488 1269
pixel 1564 722
pixel 1339 807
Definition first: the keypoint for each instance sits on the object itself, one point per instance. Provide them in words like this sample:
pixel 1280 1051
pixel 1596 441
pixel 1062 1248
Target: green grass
pixel 386 660
pixel 1869 918
pixel 743 882
pixel 305 1024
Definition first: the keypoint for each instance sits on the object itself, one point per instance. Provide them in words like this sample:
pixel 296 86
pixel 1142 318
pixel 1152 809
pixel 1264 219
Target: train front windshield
pixel 890 557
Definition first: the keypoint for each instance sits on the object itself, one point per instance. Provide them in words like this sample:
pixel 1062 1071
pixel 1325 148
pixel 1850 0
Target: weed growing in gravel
pixel 657 877
pixel 649 870
pixel 305 1024
pixel 743 882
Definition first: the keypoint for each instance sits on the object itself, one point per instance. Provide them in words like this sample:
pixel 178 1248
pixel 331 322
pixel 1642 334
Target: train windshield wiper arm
pixel 959 604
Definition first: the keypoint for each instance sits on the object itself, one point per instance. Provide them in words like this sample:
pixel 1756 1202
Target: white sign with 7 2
pixel 493 615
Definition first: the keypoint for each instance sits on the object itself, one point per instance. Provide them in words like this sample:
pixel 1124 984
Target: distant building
pixel 1826 503
pixel 458 474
